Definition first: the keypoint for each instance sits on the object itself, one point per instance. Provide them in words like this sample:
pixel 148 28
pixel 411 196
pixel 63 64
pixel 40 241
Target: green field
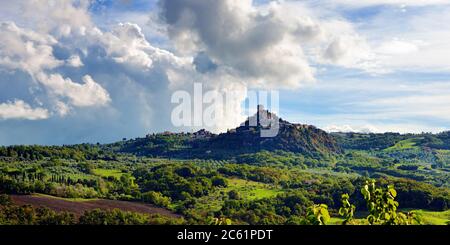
pixel 252 190
pixel 434 217
pixel 404 145
pixel 79 176
pixel 115 173
pixel 427 217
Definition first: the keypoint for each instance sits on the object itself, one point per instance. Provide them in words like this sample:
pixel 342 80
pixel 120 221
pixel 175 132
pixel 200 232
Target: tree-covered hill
pixel 297 138
pixel 380 141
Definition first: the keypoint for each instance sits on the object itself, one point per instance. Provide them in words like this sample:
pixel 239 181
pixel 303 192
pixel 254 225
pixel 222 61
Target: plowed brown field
pixel 79 207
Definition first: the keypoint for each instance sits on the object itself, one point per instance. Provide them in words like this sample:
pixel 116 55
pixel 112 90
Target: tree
pixel 347 210
pixel 317 214
pixel 383 207
pixel 156 198
pixel 5 200
pixel 234 195
pixel 219 181
pixel 112 217
pixel 86 167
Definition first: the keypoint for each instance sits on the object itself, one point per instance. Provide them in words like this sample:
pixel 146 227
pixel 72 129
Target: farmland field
pixel 79 206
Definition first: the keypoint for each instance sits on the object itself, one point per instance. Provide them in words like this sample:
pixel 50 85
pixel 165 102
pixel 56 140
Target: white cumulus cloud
pixel 87 94
pixel 21 110
pixel 32 52
pixel 26 49
pixel 74 61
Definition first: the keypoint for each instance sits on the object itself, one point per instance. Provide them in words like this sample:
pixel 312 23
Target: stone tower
pixel 259 114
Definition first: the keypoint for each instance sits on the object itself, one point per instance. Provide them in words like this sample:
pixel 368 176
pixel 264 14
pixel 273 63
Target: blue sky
pixel 75 71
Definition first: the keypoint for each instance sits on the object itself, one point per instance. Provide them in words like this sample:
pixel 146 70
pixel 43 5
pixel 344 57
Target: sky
pixel 76 71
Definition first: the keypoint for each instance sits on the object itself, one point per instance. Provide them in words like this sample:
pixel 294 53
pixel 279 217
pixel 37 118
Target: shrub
pixel 156 198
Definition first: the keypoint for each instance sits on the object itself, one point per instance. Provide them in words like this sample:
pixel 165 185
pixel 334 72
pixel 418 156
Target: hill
pixel 297 138
pixel 380 141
